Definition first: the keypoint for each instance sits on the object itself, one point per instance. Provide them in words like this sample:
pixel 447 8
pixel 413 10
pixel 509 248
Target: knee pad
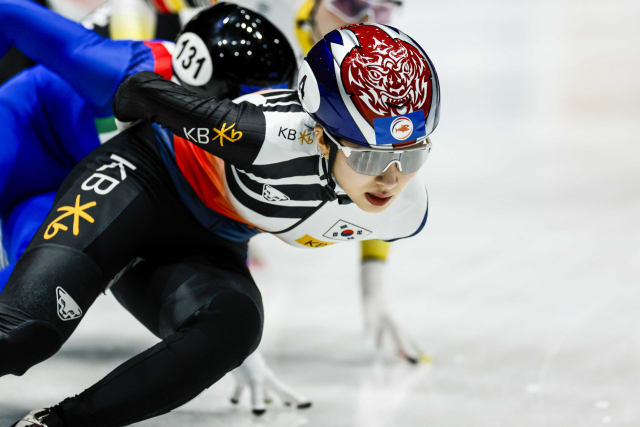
pixel 26 346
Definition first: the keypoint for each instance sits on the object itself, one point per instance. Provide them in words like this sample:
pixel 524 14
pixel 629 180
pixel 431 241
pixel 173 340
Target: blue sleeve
pixel 46 127
pixel 4 275
pixel 92 65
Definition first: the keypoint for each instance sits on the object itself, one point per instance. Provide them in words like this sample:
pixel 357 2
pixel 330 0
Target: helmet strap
pixel 343 199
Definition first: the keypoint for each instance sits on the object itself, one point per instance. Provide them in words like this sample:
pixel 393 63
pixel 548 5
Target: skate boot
pixel 40 418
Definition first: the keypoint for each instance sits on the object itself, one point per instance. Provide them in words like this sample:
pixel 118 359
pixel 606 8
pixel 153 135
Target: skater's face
pixel 370 193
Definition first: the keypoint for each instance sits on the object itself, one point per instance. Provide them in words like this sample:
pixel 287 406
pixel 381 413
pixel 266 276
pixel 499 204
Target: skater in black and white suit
pixel 155 188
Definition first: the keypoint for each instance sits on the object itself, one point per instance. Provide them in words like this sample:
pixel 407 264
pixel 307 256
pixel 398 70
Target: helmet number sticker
pixel 308 89
pixel 192 65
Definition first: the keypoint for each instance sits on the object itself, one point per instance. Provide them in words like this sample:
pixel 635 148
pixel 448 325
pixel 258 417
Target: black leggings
pixel 117 219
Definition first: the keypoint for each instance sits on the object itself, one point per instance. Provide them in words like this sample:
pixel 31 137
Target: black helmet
pixel 227 50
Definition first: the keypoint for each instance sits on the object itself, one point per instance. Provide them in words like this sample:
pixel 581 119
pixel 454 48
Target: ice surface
pixel 524 284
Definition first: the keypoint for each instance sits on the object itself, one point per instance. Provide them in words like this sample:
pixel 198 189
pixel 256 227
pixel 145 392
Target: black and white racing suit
pixel 185 199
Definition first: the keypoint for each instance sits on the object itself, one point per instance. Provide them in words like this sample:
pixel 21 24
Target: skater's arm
pixel 233 132
pixel 92 65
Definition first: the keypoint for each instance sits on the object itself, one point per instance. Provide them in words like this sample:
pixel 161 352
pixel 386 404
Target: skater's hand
pixel 138 96
pixel 264 385
pixel 378 319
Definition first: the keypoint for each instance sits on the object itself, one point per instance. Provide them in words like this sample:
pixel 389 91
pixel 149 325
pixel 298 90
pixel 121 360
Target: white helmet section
pixel 308 89
pixel 192 61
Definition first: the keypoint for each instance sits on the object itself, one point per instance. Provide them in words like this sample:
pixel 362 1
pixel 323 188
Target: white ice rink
pixel 525 283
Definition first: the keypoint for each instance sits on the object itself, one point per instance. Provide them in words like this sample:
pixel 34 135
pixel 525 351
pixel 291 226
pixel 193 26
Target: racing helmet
pixel 227 50
pixel 371 84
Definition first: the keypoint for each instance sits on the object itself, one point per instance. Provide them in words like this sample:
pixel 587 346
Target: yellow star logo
pixel 77 211
pixel 305 137
pixel 233 136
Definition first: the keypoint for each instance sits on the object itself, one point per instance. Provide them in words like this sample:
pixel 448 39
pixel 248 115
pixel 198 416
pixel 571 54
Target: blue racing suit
pixel 54 113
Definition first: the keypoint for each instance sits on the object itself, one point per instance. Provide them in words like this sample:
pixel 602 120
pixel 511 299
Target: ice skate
pixel 40 418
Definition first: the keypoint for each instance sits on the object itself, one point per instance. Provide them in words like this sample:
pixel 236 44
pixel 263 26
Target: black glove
pixel 130 103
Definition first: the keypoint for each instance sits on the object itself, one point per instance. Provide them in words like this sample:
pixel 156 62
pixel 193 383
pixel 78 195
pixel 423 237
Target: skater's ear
pixel 324 147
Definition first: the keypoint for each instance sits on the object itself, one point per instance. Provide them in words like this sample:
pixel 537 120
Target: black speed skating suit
pixel 193 289
pixel 147 194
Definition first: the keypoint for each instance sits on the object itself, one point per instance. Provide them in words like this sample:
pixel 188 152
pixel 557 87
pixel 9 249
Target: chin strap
pixel 343 199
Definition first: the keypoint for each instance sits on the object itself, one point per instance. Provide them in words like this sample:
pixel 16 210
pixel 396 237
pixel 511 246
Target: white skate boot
pixel 40 418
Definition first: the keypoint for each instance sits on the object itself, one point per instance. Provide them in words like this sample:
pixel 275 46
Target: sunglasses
pixel 352 11
pixel 375 162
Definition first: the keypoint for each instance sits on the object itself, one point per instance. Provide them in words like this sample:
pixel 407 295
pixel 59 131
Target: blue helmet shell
pixel 325 97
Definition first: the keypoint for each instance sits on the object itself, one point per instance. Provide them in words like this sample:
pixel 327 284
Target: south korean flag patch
pixel 343 230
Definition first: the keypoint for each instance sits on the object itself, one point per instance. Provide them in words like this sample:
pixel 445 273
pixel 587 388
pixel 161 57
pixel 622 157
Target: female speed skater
pixel 56 150
pixel 312 19
pixel 52 122
pixel 208 176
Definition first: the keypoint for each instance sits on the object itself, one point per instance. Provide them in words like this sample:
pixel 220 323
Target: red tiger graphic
pixel 385 76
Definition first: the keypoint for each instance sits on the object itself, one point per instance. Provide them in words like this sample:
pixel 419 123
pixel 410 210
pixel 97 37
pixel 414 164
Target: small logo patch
pixel 273 195
pixel 68 309
pixel 232 136
pixel 78 211
pixel 407 127
pixel 343 230
pixel 305 137
pixel 401 128
pixel 310 242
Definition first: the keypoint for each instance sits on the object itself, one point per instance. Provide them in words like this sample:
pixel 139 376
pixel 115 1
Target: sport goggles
pixel 352 11
pixel 375 162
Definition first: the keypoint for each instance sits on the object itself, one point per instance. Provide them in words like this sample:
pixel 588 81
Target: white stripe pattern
pixel 293 203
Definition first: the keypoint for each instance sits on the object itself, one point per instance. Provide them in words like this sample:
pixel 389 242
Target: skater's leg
pixel 96 227
pixel 213 319
pixel 133 205
pixel 50 290
pixel 138 293
pixel 19 228
pixel 164 294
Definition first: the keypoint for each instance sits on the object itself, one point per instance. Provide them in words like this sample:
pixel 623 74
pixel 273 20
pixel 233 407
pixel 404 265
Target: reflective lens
pixel 375 162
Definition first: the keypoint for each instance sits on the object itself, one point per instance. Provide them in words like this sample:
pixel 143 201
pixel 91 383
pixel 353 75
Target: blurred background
pixel 524 285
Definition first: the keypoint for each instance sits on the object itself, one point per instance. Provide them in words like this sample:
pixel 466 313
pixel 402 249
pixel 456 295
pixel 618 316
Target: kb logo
pixel 77 211
pixel 226 133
